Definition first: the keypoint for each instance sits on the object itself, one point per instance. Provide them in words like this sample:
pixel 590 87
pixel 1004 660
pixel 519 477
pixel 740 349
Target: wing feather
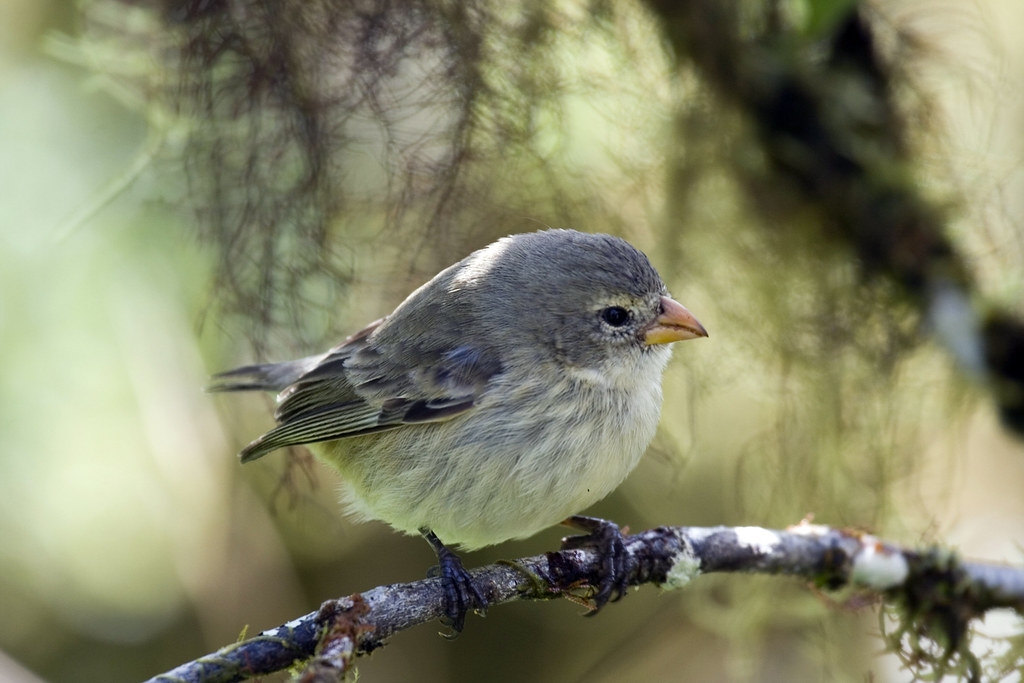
pixel 325 424
pixel 356 389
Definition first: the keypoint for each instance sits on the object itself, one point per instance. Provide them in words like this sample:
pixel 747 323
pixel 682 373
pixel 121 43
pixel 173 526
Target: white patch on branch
pixel 878 567
pixel 758 538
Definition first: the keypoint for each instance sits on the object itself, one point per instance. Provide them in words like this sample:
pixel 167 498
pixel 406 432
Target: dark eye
pixel 616 316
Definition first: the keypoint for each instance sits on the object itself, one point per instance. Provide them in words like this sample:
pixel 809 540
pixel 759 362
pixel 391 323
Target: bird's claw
pixel 460 594
pixel 616 564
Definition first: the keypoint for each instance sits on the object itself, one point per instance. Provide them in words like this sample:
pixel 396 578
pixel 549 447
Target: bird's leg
pixel 460 595
pixel 616 564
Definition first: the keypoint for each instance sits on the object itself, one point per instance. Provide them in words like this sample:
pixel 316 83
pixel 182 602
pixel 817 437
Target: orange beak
pixel 674 324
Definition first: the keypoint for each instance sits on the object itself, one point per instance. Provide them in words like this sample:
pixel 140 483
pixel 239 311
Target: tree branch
pixel 935 594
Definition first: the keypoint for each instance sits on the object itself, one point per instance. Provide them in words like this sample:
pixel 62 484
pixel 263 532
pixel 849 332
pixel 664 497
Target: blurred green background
pixel 132 541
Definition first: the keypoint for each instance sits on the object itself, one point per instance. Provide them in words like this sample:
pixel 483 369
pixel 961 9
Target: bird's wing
pixel 363 387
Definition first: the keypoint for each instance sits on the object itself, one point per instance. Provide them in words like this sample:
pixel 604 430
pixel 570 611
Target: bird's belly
pixel 496 473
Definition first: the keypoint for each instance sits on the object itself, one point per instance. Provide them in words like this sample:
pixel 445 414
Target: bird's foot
pixel 460 595
pixel 616 564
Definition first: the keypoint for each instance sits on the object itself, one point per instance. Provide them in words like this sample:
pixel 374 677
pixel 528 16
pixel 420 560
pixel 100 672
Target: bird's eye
pixel 616 316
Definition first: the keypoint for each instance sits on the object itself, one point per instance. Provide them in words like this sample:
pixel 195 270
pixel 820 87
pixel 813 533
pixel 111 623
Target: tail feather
pixel 265 377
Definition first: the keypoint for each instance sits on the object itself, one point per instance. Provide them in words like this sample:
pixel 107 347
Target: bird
pixel 507 394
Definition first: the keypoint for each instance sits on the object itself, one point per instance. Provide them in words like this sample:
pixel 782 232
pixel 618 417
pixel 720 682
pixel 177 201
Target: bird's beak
pixel 674 324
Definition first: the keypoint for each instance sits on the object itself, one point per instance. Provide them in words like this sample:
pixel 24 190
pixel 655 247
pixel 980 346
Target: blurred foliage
pixel 282 173
pixel 929 626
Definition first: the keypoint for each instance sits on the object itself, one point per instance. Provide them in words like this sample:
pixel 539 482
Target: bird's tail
pixel 266 377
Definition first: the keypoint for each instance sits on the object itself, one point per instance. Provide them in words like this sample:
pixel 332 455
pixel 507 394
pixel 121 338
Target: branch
pixel 937 595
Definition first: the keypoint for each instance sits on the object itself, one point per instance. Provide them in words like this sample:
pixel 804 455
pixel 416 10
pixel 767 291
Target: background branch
pixel 935 593
pixel 834 134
